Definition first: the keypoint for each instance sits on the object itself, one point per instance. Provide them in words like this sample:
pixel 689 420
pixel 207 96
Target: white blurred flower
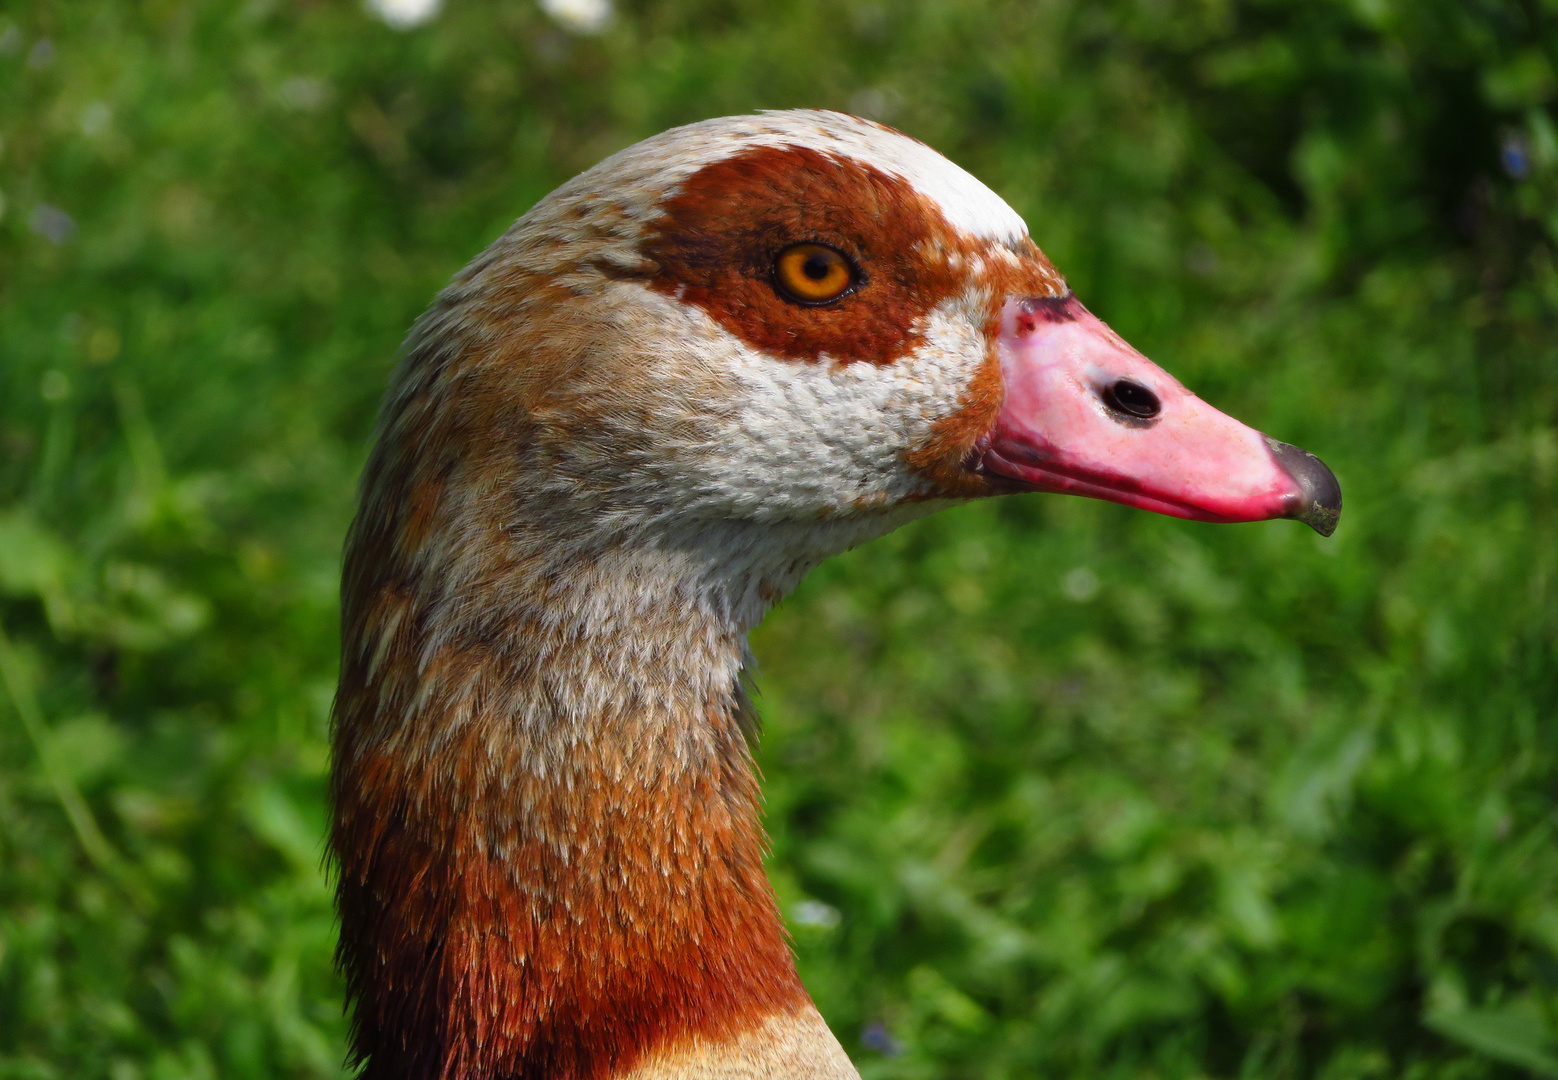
pixel 95 119
pixel 403 14
pixel 815 913
pixel 1080 584
pixel 580 16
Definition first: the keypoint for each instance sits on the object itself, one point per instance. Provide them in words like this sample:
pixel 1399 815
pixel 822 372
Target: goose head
pixel 812 322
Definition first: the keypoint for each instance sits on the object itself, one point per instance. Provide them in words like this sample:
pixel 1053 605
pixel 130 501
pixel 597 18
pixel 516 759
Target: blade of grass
pixel 97 847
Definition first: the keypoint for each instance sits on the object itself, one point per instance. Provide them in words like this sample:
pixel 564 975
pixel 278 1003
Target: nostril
pixel 1132 399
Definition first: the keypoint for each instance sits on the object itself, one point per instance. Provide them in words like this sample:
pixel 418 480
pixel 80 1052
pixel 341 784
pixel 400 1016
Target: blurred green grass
pixel 1055 788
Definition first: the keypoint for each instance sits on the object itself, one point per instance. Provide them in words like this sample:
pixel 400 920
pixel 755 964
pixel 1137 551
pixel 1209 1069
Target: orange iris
pixel 813 273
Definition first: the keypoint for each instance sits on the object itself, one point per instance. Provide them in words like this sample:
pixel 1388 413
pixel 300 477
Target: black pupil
pixel 816 267
pixel 1134 399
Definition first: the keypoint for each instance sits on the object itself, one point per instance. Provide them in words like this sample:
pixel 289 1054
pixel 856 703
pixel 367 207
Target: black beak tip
pixel 1319 502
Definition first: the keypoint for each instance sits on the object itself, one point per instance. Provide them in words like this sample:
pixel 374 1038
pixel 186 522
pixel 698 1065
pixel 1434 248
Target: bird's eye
pixel 813 273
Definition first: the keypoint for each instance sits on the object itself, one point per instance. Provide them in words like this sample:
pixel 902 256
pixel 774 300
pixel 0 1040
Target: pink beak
pixel 1086 414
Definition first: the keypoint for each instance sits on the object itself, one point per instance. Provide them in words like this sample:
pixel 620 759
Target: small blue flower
pixel 53 223
pixel 875 1036
pixel 1515 157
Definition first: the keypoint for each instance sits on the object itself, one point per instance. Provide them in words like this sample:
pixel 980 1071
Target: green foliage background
pixel 1055 788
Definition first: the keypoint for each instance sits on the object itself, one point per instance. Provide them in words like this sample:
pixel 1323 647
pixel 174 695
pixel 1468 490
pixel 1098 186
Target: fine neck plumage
pixel 546 816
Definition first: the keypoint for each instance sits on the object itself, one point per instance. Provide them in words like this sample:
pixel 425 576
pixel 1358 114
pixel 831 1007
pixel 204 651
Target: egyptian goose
pixel 620 435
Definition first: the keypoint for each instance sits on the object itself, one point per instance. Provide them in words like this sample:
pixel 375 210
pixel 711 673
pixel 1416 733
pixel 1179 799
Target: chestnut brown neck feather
pixel 553 903
pixel 550 862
